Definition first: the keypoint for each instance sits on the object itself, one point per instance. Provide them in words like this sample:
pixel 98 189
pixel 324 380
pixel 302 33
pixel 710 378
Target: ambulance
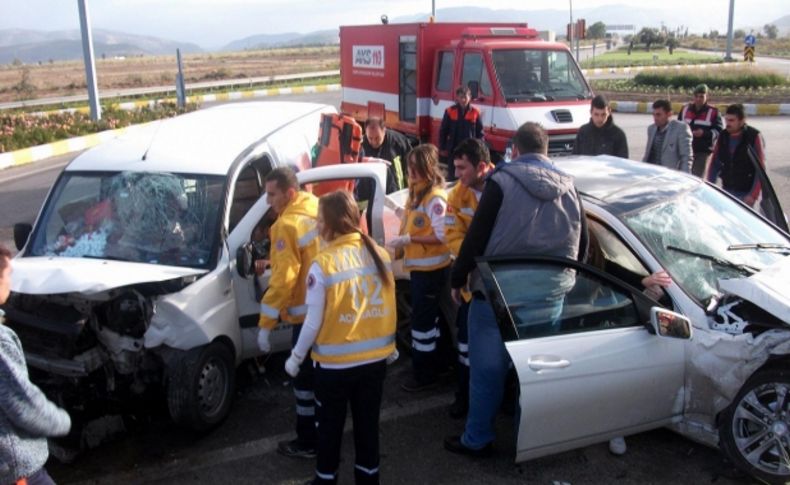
pixel 408 74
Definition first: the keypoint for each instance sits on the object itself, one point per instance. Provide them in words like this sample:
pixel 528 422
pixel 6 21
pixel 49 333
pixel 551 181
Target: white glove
pixel 292 364
pixel 393 357
pixel 399 241
pixel 263 340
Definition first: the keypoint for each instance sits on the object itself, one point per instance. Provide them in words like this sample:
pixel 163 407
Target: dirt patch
pixel 68 78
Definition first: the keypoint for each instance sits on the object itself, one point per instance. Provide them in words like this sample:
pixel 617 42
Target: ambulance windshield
pixel 539 75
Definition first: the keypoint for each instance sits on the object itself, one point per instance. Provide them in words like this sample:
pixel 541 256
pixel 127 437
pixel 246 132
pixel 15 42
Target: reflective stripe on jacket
pixel 424 257
pixel 359 314
pixel 295 243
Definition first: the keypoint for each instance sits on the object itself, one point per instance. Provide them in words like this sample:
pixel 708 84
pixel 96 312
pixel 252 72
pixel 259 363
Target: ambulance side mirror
pixel 474 87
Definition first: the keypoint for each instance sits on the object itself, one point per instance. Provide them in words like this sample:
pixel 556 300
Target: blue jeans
pixel 488 367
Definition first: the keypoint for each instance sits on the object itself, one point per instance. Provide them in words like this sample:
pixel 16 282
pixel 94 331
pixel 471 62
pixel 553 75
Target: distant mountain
pixel 783 24
pixel 556 20
pixel 32 46
pixel 264 41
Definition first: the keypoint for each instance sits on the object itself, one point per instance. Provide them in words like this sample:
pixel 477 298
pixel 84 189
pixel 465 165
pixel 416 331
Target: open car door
pixel 588 367
pixel 369 180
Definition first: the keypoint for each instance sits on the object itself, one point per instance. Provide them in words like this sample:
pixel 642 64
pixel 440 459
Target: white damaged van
pixel 129 280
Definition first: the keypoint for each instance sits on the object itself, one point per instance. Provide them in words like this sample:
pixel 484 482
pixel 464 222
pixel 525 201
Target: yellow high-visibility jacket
pixel 359 314
pixel 424 257
pixel 295 243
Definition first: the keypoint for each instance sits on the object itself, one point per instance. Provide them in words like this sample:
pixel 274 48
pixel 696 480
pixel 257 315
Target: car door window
pixel 544 298
pixel 475 70
pixel 246 191
pixel 444 75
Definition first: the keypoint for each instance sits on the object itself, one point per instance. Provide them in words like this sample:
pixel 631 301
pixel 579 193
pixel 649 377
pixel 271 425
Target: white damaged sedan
pixel 710 360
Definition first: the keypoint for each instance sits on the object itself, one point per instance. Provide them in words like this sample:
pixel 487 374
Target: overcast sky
pixel 212 23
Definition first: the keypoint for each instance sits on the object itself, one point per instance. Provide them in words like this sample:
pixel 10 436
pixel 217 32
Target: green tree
pixel 739 34
pixel 596 30
pixel 649 36
pixel 672 43
pixel 771 31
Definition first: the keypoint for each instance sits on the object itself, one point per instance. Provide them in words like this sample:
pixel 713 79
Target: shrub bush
pixel 22 130
pixel 725 79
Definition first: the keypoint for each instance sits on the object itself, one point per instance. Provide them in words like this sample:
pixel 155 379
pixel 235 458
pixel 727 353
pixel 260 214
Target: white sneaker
pixel 617 446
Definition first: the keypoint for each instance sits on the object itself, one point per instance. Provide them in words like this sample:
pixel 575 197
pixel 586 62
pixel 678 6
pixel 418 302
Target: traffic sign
pixel 750 40
pixel 748 53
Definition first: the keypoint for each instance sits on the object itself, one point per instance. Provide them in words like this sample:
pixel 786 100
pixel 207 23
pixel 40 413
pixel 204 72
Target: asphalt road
pixel 152 450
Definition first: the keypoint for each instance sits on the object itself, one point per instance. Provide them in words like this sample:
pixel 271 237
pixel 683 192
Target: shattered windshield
pixel 159 218
pixel 706 222
pixel 539 75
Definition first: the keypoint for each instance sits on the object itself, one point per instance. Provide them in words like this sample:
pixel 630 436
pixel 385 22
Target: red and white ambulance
pixel 408 74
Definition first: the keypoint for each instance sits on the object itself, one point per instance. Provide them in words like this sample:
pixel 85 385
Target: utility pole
pixel 570 31
pixel 90 63
pixel 728 56
pixel 433 10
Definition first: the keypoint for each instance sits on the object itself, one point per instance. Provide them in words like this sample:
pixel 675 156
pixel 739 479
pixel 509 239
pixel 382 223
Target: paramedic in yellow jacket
pixel 427 258
pixel 472 164
pixel 295 243
pixel 350 327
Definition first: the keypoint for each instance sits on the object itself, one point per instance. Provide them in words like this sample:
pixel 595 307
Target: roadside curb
pixel 633 69
pixel 62 147
pixel 751 109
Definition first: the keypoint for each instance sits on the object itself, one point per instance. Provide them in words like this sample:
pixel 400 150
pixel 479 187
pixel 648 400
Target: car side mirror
pixel 474 88
pixel 245 263
pixel 22 231
pixel 666 323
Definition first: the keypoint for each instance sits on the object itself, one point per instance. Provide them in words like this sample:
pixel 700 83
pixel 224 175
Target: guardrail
pixel 226 83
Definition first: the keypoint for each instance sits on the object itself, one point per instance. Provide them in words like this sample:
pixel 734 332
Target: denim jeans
pixel 462 367
pixel 488 367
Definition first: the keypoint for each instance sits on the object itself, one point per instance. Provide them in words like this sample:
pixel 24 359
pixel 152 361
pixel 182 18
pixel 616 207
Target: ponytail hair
pixel 341 216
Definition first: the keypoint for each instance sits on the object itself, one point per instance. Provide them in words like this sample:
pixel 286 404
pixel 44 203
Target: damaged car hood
pixel 43 275
pixel 766 289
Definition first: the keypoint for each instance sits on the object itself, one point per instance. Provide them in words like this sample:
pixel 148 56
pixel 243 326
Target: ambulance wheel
pixel 200 386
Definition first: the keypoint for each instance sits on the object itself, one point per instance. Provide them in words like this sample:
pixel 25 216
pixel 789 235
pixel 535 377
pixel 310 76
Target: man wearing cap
pixel 389 145
pixel 705 123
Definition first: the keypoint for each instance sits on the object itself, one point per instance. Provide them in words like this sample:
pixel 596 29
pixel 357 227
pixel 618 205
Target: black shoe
pixel 458 409
pixel 295 449
pixel 413 385
pixel 453 444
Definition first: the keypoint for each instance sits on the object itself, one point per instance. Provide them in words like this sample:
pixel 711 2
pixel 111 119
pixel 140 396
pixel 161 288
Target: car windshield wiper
pixel 110 258
pixel 781 248
pixel 743 268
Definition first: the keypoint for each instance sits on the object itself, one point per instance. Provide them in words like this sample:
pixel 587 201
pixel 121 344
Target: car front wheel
pixel 200 386
pixel 755 431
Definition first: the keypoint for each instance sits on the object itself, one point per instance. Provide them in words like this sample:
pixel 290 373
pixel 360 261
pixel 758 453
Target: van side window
pixel 475 70
pixel 444 77
pixel 246 192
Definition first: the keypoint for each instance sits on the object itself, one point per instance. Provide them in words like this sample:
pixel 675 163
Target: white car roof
pixel 206 141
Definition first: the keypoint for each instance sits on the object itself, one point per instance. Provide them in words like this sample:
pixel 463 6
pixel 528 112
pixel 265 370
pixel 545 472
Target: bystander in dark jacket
pixel 600 136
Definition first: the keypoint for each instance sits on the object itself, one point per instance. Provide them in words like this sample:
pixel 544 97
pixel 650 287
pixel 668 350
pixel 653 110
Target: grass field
pixel 620 58
pixel 68 78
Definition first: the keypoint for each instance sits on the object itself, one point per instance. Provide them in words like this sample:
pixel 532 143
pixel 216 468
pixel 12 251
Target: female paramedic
pixel 350 326
pixel 427 258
